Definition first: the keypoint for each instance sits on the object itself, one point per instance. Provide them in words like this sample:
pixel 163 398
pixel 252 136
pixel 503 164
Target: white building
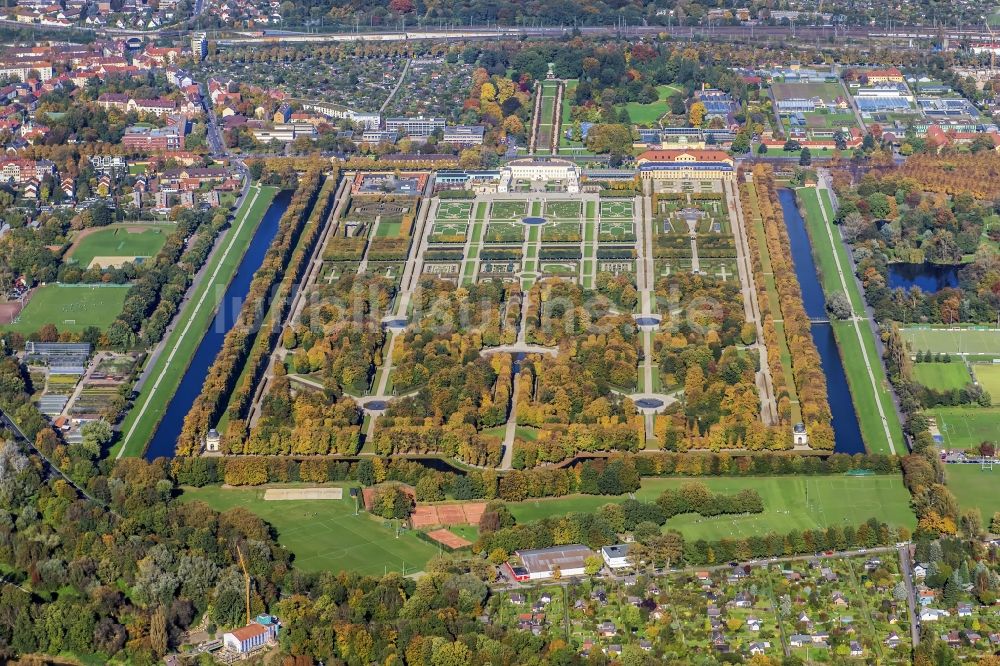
pixel 253 636
pixel 199 46
pixel 535 170
pixel 22 70
pixel 464 135
pixel 416 126
pixel 284 132
pixel 616 557
pixel 569 560
pixel 799 435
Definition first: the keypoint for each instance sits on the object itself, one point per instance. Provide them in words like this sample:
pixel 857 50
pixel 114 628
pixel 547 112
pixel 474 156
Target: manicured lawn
pixel 183 340
pixel 546 117
pixel 989 378
pixel 790 502
pixel 70 307
pixel 975 488
pixel 649 114
pixel 325 535
pixel 967 427
pixel 120 241
pixel 854 341
pixel 388 229
pixel 942 376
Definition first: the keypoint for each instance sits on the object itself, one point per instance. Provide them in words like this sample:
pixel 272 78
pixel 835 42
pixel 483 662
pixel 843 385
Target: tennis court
pixel 983 341
pixel 430 515
pixel 449 539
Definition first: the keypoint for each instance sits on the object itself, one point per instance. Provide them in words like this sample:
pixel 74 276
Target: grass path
pixel 865 375
pixel 197 313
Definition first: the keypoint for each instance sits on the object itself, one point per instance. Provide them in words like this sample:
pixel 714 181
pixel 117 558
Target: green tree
pixel 805 157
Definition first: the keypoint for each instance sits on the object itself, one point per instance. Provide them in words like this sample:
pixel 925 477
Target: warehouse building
pixel 569 560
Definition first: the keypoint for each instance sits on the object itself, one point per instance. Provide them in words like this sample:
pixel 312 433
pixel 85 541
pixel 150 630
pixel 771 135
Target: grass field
pixel 967 427
pixel 988 377
pixel 120 241
pixel 325 535
pixel 975 488
pixel 943 376
pixel 183 340
pixel 70 307
pixel 649 114
pixel 855 342
pixel 790 502
pixel 952 340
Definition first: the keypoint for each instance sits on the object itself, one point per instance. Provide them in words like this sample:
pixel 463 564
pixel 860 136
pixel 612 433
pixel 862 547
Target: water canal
pixel 846 430
pixel 164 440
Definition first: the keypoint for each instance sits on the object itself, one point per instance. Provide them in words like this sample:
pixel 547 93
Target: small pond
pixel 930 278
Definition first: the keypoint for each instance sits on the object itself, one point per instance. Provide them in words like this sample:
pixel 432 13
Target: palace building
pixel 686 165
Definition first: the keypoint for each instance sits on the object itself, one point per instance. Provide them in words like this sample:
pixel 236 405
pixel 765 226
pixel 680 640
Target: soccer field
pixel 790 502
pixel 975 487
pixel 126 241
pixel 942 376
pixel 989 378
pixel 325 535
pixel 952 340
pixel 967 427
pixel 71 307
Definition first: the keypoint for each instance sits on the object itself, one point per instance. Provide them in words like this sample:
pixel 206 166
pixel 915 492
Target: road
pixel 399 84
pixel 907 568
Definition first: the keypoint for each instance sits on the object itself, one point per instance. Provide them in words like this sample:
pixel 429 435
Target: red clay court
pixel 449 539
pixel 429 515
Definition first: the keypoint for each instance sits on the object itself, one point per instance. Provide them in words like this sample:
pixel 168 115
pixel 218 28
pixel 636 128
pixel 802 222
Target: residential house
pixel 933 614
pixel 606 629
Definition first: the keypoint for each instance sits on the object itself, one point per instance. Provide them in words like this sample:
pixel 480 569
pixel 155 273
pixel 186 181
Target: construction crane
pixel 246 577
